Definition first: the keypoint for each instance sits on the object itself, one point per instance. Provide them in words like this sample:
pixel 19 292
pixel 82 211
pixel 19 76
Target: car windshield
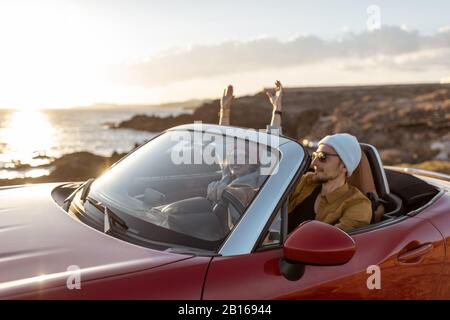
pixel 179 189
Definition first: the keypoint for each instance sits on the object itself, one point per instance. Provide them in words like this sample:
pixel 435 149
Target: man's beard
pixel 323 179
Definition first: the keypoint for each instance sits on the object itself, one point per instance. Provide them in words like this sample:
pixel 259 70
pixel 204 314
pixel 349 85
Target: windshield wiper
pixel 109 215
pixel 86 189
pixel 86 186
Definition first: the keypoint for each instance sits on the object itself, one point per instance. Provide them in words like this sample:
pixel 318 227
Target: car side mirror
pixel 315 243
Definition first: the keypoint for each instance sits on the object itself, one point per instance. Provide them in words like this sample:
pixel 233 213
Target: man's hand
pixel 227 98
pixel 276 100
pixel 215 190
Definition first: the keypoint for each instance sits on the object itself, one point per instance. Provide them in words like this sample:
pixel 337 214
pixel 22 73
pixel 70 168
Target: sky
pixel 66 53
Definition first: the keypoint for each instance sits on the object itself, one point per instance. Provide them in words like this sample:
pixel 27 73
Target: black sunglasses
pixel 322 156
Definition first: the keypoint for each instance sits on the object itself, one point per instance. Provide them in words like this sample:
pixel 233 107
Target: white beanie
pixel 347 147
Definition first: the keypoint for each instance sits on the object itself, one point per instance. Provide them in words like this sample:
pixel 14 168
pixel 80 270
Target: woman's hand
pixel 276 100
pixel 215 190
pixel 227 98
pixel 225 105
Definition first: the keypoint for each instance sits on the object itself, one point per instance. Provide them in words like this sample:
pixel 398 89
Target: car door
pixel 400 259
pixel 437 213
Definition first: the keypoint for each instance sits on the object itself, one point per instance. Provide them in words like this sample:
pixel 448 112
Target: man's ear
pixel 342 165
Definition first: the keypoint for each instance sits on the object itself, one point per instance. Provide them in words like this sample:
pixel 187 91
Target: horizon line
pixel 201 101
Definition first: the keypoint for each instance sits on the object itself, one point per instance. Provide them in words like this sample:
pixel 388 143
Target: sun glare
pixel 26 135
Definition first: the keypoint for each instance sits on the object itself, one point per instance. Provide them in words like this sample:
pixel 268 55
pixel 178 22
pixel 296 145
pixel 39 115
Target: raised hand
pixel 276 100
pixel 227 98
pixel 225 104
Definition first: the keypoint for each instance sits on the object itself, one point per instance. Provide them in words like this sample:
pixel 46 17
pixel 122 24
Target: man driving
pixel 324 194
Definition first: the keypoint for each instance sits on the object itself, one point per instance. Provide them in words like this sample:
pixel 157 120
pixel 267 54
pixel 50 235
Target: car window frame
pixel 300 170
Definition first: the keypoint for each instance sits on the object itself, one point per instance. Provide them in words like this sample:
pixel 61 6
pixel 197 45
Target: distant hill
pixel 407 123
pixel 188 104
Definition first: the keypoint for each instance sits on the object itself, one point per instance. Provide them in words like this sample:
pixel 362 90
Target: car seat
pixel 369 177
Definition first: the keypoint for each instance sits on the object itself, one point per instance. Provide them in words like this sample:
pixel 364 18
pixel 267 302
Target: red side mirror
pixel 318 243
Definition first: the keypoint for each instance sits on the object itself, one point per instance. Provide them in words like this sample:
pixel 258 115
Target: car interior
pixel 178 193
pixel 393 194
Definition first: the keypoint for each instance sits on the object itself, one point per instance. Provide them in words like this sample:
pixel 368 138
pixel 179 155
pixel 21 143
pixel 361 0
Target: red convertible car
pixel 145 230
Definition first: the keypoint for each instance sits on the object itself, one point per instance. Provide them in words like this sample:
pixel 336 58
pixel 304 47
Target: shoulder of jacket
pixel 356 196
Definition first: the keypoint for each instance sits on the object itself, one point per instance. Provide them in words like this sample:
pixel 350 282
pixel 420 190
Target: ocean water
pixel 29 139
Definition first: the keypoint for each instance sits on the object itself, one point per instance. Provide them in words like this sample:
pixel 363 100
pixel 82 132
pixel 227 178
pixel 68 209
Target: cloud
pixel 444 29
pixel 389 46
pixel 416 61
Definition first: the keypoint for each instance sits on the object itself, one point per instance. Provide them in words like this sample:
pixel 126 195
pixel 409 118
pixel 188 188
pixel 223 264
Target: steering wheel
pixel 220 206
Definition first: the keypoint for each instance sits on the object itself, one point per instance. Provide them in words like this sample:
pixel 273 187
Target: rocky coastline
pixel 409 125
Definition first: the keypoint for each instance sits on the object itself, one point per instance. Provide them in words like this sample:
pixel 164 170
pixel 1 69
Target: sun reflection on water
pixel 27 137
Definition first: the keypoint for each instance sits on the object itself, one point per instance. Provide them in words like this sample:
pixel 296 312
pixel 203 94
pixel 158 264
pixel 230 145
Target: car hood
pixel 41 245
